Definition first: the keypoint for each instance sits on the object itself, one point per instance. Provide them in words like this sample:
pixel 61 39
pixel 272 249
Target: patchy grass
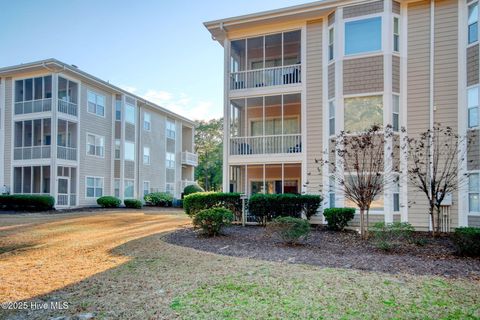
pixel 117 266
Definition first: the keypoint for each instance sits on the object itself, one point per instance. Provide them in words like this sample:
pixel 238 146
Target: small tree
pixel 435 157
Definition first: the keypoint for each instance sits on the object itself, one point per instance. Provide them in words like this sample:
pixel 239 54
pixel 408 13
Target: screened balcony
pixel 67 140
pixel 266 125
pixel 264 61
pixel 67 96
pixel 32 139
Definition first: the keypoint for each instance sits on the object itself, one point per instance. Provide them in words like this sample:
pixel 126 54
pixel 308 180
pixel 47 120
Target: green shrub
pixel 109 202
pixel 194 203
pixel 133 203
pixel 194 188
pixel 338 218
pixel 387 236
pixel 289 229
pixel 311 204
pixel 211 221
pixel 159 199
pixel 26 202
pixel 467 241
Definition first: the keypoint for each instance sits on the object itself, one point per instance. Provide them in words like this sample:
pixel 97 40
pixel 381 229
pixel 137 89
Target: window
pixel 396 194
pixel 170 129
pixel 94 187
pixel 473 117
pixel 146 187
pixel 331 192
pixel 363 36
pixel 95 145
pixel 363 112
pixel 147 121
pixel 129 151
pixel 396 35
pixel 473 23
pixel 32 132
pixel 118 110
pixel 118 145
pixel 130 113
pixel 395 112
pixel 170 160
pixel 96 103
pixel 129 188
pixel 146 155
pixel 31 179
pixel 473 193
pixel 331 35
pixel 67 90
pixel 33 89
pixel 116 187
pixel 170 188
pixel 331 118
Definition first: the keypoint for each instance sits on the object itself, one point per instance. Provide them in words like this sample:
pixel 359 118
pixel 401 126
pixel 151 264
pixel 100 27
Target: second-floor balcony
pixel 189 158
pixel 31 153
pixel 266 77
pixel 274 144
pixel 67 107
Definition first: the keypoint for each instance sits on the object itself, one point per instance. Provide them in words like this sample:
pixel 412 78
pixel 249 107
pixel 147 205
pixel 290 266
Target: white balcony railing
pixel 67 153
pixel 66 200
pixel 67 107
pixel 185 183
pixel 266 77
pixel 274 144
pixel 189 158
pixel 25 107
pixel 29 153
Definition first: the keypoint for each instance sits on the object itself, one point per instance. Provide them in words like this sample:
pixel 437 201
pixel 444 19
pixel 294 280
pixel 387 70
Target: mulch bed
pixel 335 249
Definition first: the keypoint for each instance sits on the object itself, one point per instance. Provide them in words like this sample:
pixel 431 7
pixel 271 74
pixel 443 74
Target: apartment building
pixel 108 141
pixel 296 77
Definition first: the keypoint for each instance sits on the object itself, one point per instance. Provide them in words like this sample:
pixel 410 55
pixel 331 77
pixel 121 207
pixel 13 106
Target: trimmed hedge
pixel 388 236
pixel 191 189
pixel 133 203
pixel 266 207
pixel 26 202
pixel 196 202
pixel 289 229
pixel 159 199
pixel 211 221
pixel 467 241
pixel 338 218
pixel 109 202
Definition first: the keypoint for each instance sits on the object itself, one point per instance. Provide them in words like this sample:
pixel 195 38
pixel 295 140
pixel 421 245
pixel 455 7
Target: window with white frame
pixel 118 145
pixel 170 160
pixel 331 117
pixel 147 125
pixel 29 179
pixel 361 113
pixel 170 188
pixel 146 187
pixel 95 145
pixel 129 151
pixel 331 41
pixel 362 36
pixel 116 187
pixel 170 127
pixel 130 113
pixel 331 192
pixel 33 89
pixel 473 23
pixel 96 103
pixel 473 193
pixel 395 113
pixel 146 155
pixel 129 191
pixel 396 34
pixel 396 194
pixel 94 187
pixel 118 109
pixel 472 101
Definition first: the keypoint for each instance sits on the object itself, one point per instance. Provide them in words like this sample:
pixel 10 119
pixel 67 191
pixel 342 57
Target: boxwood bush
pixel 388 236
pixel 194 203
pixel 26 202
pixel 109 202
pixel 467 241
pixel 289 229
pixel 338 218
pixel 133 203
pixel 159 199
pixel 194 188
pixel 211 221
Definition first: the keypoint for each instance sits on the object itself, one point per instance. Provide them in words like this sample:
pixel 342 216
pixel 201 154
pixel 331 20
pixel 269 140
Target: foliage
pixel 266 207
pixel 192 189
pixel 289 229
pixel 211 221
pixel 467 241
pixel 109 202
pixel 196 202
pixel 133 203
pixel 338 218
pixel 209 147
pixel 26 202
pixel 158 199
pixel 387 236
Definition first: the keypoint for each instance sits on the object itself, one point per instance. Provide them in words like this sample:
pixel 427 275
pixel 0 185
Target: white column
pixel 226 114
pixel 403 111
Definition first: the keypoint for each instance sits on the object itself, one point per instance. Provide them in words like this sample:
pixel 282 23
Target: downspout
pixel 432 88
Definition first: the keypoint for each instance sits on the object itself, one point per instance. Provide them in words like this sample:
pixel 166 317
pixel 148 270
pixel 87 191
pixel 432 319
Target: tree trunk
pixel 362 223
pixel 367 224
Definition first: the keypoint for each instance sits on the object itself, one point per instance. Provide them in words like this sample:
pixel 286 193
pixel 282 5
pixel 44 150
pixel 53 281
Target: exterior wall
pixel 472 65
pixel 331 80
pixel 396 74
pixel 363 75
pixel 363 9
pixel 8 130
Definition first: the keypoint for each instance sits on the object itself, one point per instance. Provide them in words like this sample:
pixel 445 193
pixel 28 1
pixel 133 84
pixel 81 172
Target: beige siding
pixel 474 221
pixel 396 74
pixel 314 104
pixel 331 81
pixel 116 169
pixel 472 65
pixel 396 7
pixel 473 158
pixel 118 130
pixel 129 132
pixel 331 18
pixel 363 9
pixel 129 167
pixel 372 219
pixel 363 75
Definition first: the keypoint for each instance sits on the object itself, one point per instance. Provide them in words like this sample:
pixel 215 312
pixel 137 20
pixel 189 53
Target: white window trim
pixel 332 27
pixel 86 186
pixel 125 153
pixel 96 97
pixel 115 149
pixel 87 144
pixel 475 86
pixel 149 122
pixel 330 117
pixel 467 25
pixel 134 113
pixel 369 53
pixel 397 113
pixel 143 189
pixel 396 16
pixel 144 155
pixel 167 130
pixel 125 188
pixel 472 213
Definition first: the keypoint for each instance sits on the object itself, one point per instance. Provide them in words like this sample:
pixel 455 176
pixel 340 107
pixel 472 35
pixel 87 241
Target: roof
pixel 57 65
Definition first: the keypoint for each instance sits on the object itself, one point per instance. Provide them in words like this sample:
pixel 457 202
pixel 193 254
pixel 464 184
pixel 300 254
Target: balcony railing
pixel 29 153
pixel 185 183
pixel 67 107
pixel 25 107
pixel 66 200
pixel 266 77
pixel 274 144
pixel 189 158
pixel 67 153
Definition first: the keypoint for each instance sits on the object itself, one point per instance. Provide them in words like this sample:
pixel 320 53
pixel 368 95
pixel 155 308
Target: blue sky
pixel 156 49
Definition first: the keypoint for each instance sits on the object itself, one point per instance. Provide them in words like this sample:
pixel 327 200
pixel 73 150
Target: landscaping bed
pixel 435 256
